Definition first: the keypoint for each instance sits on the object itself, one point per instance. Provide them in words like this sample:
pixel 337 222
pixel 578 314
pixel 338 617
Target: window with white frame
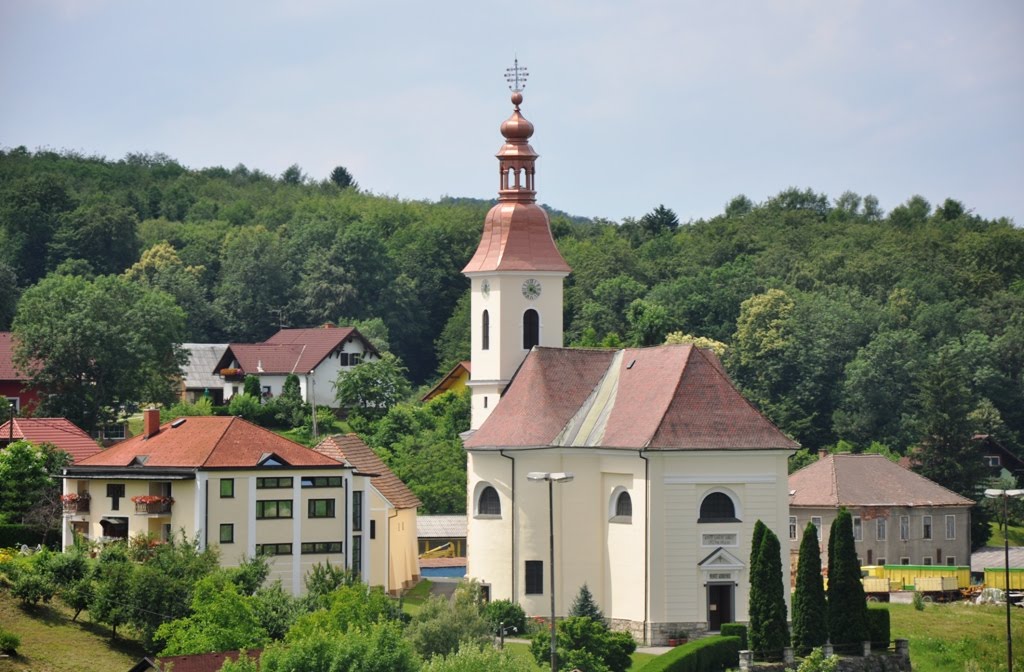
pixel 792 528
pixel 927 560
pixel 904 528
pixel 15 403
pixel 881 561
pixel 621 506
pixel 950 561
pixel 904 561
pixel 858 531
pixel 880 529
pixel 950 527
pixel 926 527
pixel 993 461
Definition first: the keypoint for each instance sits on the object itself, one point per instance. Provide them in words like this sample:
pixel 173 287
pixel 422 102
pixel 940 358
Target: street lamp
pixel 993 493
pixel 551 478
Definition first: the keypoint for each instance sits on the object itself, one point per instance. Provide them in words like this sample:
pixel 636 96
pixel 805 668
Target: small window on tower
pixel 531 329
pixel 485 329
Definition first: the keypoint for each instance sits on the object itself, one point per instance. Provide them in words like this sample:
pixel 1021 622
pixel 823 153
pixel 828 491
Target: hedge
pixel 736 630
pixel 710 654
pixel 879 630
pixel 13 535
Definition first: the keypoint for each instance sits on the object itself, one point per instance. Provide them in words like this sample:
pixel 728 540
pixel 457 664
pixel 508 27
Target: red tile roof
pixel 7 368
pixel 516 237
pixel 61 432
pixel 671 397
pixel 350 448
pixel 208 442
pixel 866 480
pixel 290 350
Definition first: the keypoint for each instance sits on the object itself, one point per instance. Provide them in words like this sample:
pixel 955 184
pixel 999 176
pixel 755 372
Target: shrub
pixel 585 643
pixel 507 612
pixel 710 654
pixel 31 587
pixel 16 535
pixel 817 662
pixel 584 605
pixel 918 601
pixel 246 406
pixel 472 659
pixel 9 642
pixel 879 630
pixel 735 630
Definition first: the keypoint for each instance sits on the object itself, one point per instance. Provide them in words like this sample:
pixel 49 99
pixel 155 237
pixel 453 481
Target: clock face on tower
pixel 485 288
pixel 531 289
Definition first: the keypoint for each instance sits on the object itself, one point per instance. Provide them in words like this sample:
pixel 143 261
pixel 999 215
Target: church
pixel 643 468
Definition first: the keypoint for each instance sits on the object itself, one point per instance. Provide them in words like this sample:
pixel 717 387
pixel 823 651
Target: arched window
pixel 531 329
pixel 485 329
pixel 488 503
pixel 620 507
pixel 717 507
pixel 623 505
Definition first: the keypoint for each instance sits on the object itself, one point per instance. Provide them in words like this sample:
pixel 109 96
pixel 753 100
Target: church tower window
pixel 485 331
pixel 531 329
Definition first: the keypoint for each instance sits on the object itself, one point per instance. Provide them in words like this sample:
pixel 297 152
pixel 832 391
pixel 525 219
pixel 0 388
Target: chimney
pixel 822 453
pixel 150 422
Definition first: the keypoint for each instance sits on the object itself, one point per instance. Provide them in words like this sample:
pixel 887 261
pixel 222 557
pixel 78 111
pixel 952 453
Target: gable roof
pixel 290 350
pixel 202 358
pixel 351 449
pixel 207 442
pixel 450 379
pixel 866 480
pixel 61 432
pixel 669 397
pixel 441 526
pixel 7 369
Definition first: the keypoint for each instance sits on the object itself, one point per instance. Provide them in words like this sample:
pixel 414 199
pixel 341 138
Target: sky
pixel 682 103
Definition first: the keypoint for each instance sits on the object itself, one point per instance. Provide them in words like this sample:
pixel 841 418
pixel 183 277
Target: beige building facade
pixel 229 484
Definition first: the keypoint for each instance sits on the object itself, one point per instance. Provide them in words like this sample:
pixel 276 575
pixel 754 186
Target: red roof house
pixel 316 356
pixel 60 432
pixel 13 380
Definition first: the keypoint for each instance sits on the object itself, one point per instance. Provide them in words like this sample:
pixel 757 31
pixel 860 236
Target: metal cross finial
pixel 516 77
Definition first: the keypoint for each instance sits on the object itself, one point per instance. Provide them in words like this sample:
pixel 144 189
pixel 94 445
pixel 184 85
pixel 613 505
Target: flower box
pixel 231 373
pixel 152 503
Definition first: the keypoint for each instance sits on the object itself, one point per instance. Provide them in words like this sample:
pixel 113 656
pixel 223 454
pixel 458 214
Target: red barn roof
pixel 208 442
pixel 60 432
pixel 351 449
pixel 671 397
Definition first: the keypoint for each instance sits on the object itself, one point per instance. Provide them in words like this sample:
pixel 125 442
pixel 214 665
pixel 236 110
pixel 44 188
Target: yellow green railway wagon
pixel 995 577
pixel 906 574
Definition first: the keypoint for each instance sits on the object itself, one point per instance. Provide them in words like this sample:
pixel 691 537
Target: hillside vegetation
pixel 840 321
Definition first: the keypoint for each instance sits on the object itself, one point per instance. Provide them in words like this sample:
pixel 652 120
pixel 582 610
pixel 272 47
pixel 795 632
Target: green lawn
pixel 523 650
pixel 50 642
pixel 945 637
pixel 997 538
pixel 414 598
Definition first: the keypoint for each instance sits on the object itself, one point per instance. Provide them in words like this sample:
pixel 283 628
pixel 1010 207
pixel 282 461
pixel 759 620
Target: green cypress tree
pixel 810 624
pixel 847 607
pixel 769 633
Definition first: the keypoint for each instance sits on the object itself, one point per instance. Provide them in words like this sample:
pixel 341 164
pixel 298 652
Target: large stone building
pixel 672 467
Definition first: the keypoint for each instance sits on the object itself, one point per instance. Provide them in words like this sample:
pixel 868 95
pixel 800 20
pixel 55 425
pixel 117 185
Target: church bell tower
pixel 516 273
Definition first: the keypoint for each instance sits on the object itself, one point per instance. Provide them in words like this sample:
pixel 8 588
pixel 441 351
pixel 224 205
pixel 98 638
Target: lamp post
pixel 551 478
pixel 993 493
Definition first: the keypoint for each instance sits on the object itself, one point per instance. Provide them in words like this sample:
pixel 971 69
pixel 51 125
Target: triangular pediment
pixel 721 559
pixel 271 460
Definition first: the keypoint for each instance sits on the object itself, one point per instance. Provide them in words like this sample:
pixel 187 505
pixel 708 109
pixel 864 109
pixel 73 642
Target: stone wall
pixel 881 661
pixel 657 633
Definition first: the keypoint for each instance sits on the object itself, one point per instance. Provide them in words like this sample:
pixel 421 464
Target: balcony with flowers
pixel 153 504
pixel 232 373
pixel 75 503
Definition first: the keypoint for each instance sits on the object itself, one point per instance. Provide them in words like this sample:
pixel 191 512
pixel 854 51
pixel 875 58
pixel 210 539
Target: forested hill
pixel 841 321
